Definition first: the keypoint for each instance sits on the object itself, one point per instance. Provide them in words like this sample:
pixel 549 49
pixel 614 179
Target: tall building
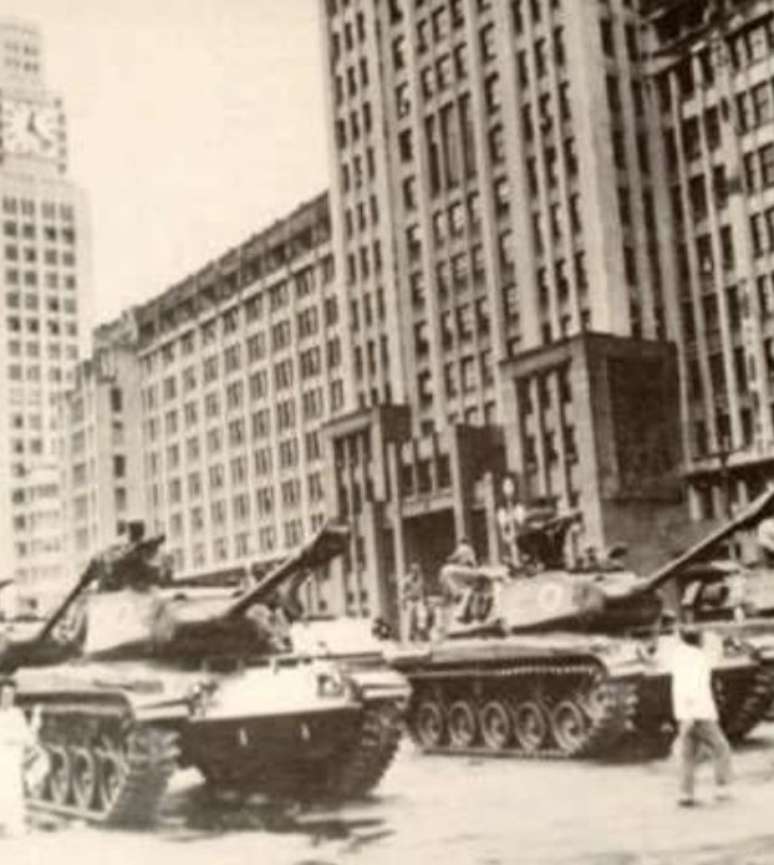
pixel 492 175
pixel 712 65
pixel 494 204
pixel 101 445
pixel 241 363
pixel 44 284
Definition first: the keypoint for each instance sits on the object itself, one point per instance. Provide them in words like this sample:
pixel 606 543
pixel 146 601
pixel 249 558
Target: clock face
pixel 29 129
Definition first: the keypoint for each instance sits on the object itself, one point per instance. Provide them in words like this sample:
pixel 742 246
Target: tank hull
pixel 560 695
pixel 113 734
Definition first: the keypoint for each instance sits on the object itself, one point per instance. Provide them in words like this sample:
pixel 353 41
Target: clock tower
pixel 44 291
pixel 32 121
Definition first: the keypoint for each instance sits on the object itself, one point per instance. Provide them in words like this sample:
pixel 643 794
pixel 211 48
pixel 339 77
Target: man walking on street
pixel 693 706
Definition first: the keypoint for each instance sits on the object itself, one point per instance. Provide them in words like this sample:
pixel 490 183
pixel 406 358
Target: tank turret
pixel 546 590
pixel 124 566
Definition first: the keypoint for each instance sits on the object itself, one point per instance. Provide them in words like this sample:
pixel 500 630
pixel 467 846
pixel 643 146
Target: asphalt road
pixel 445 811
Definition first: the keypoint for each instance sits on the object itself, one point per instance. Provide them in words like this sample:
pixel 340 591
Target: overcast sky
pixel 192 124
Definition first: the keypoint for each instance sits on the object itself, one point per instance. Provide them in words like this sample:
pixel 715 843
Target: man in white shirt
pixel 15 737
pixel 693 706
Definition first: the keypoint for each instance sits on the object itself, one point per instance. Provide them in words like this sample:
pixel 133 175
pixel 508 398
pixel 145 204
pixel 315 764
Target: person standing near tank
pixel 691 657
pixel 16 738
pixel 415 603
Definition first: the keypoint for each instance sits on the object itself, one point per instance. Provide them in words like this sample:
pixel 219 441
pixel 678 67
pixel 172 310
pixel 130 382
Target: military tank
pixel 145 679
pixel 545 659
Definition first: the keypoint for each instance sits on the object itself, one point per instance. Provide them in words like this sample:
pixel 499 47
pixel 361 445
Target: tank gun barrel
pixel 754 512
pixel 327 544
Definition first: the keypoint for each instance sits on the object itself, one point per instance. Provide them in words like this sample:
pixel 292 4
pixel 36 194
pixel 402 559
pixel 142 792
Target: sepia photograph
pixel 387 432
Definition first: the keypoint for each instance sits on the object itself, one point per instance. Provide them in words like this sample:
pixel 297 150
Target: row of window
pixel 49 210
pixel 33 325
pixel 29 278
pixel 228 323
pixel 468 374
pixel 762 232
pixel 260 421
pixel 293 534
pixel 54 350
pixel 534 12
pixel 34 373
pixel 749 46
pixel 240 510
pixel 288 453
pixel 13 300
pixel 755 106
pixel 310 363
pixel 307 325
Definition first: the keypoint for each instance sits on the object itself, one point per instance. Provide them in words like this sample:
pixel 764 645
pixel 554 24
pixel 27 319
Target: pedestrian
pixel 16 737
pixel 693 705
pixel 765 538
pixel 414 603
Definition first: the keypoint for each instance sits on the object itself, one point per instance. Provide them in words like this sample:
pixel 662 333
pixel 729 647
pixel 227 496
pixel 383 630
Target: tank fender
pixel 147 698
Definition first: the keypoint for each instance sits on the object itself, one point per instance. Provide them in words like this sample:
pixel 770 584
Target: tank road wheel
pixel 529 726
pixel 461 722
pixel 84 777
pixel 59 775
pixel 427 724
pixel 111 773
pixel 496 727
pixel 569 727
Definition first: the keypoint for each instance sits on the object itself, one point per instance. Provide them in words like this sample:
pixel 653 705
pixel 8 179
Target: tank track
pixel 348 774
pixel 104 766
pixel 356 773
pixel 743 705
pixel 560 711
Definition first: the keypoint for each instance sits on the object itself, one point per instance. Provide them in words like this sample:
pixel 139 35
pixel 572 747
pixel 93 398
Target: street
pixel 447 810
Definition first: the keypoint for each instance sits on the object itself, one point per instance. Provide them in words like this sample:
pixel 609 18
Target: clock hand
pixel 32 128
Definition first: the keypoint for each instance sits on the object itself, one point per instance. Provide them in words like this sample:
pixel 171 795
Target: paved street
pixel 434 809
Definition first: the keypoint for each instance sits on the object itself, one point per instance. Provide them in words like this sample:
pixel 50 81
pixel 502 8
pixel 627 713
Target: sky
pixel 191 125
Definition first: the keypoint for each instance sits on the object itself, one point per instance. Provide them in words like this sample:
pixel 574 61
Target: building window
pixel 492 93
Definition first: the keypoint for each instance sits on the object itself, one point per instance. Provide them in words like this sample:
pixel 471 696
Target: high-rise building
pixel 44 286
pixel 495 208
pixel 241 364
pixel 711 65
pixel 492 177
pixel 101 444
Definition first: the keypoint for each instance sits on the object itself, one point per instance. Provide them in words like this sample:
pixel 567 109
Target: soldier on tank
pixel 274 617
pixel 463 554
pixel 459 571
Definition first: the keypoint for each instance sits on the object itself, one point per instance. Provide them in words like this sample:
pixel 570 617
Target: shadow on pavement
pixel 198 812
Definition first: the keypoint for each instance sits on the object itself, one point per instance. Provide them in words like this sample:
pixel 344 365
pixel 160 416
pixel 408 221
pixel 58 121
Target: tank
pixel 146 678
pixel 551 659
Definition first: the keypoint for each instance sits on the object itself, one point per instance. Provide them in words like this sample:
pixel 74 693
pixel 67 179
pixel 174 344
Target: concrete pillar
pixel 461 482
pixel 591 419
pixel 490 511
